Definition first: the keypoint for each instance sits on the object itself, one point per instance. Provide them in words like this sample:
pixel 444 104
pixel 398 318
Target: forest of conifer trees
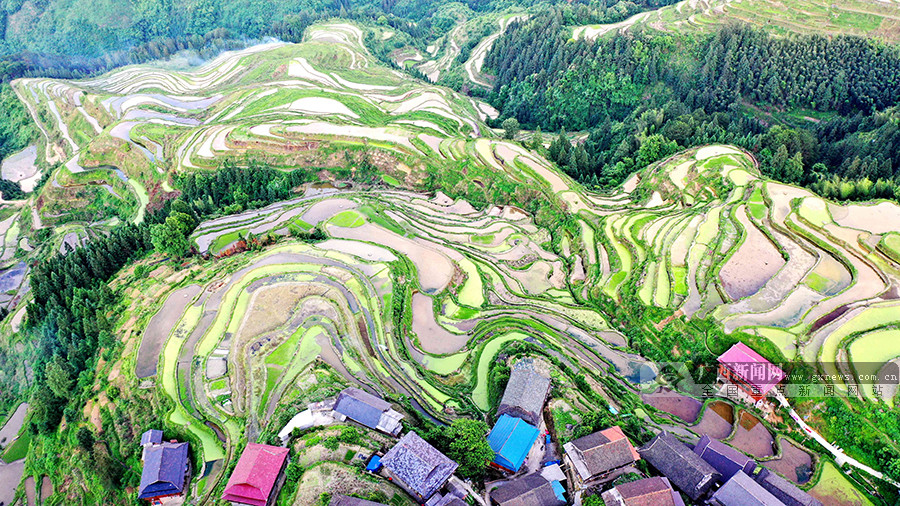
pixel 808 106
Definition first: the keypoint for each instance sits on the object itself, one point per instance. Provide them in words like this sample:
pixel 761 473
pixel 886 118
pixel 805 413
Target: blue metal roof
pixel 558 490
pixel 374 464
pixel 164 469
pixel 511 438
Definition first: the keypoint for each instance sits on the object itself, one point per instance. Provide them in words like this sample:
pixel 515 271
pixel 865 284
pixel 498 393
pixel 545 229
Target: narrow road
pixel 838 454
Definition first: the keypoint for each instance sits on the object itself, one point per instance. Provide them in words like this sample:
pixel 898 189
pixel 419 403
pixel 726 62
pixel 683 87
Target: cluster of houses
pixel 718 474
pixel 710 472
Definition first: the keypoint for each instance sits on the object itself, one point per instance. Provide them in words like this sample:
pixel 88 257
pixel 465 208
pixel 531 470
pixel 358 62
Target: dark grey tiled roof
pixel 723 458
pixel 525 393
pixel 165 465
pixel 447 500
pixel 152 436
pixel 361 406
pixel 785 491
pixel 741 490
pixel 529 490
pixel 418 464
pixel 684 468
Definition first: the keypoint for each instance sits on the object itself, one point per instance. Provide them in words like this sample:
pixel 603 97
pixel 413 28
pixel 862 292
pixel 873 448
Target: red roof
pixel 255 474
pixel 615 433
pixel 751 367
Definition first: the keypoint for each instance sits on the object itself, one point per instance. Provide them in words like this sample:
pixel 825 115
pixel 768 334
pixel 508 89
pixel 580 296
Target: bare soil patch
pixel 795 464
pixel 432 337
pixel 752 437
pixel 271 307
pixel 717 420
pixel 684 407
pixel 753 264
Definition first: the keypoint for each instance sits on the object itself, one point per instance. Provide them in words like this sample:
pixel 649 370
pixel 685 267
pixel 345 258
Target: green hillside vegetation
pixel 311 218
pixel 868 18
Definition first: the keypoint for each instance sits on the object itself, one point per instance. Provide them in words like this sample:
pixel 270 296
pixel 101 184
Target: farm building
pixel 531 489
pixel 417 467
pixel 258 475
pixel 684 468
pixel 741 490
pixel 753 375
pixel 369 410
pixel 597 455
pixel 511 439
pixel 785 491
pixel 166 468
pixel 656 491
pixel 724 458
pixel 526 391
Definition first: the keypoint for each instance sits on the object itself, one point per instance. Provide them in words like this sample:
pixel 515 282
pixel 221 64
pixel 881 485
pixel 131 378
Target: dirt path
pixel 591 32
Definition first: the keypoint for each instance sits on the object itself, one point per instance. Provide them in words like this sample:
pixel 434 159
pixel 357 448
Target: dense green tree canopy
pixel 464 441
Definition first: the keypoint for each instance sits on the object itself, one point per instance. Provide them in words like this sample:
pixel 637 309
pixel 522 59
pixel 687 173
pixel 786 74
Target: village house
pixel 417 467
pixel 785 491
pixel 596 456
pixel 656 491
pixel 258 475
pixel 741 490
pixel 725 459
pixel 368 410
pixel 526 391
pixel 166 468
pixel 752 375
pixel 511 439
pixel 531 489
pixel 684 468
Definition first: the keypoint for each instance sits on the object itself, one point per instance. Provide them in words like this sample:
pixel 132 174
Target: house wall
pixel 393 478
pixel 728 376
pixel 273 495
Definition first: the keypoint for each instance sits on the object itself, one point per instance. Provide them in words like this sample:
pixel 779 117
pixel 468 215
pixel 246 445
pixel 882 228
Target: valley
pixel 285 221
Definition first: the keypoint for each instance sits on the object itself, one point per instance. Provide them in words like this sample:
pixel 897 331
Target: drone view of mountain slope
pixel 598 252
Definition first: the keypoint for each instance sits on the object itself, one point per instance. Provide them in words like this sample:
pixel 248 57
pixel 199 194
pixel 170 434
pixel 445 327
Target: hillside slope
pixel 866 18
pixel 469 246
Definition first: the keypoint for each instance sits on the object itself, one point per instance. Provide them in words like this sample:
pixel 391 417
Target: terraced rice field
pixel 714 238
pixel 285 100
pixel 876 19
pixel 480 279
pixel 834 488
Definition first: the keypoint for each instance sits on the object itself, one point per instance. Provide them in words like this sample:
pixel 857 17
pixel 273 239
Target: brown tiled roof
pixel 603 451
pixel 654 491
